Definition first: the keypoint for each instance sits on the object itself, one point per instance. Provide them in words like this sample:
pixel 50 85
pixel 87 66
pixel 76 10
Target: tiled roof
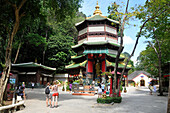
pixel 76 57
pixel 73 65
pixel 112 64
pixel 136 73
pixel 114 56
pixel 97 18
pixel 95 43
pixel 32 64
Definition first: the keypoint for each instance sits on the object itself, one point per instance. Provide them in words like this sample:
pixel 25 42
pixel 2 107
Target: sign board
pixel 12 80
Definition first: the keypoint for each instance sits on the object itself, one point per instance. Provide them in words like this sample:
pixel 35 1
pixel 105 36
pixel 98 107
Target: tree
pixel 59 50
pixel 14 12
pixel 157 29
pixel 149 12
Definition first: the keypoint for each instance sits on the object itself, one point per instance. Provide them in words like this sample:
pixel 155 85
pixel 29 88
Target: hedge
pixel 109 100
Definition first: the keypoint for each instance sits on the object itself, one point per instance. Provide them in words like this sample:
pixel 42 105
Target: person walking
pixel 48 95
pixel 150 88
pixel 70 86
pixel 103 86
pixel 32 85
pixel 99 91
pixel 55 93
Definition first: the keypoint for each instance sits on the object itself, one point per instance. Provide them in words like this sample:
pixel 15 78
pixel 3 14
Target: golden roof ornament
pixel 97 11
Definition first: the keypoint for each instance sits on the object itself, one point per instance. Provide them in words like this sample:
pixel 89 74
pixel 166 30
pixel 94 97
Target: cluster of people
pixel 52 94
pixel 152 88
pixel 101 88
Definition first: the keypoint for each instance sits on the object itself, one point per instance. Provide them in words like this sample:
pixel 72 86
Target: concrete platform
pixel 84 94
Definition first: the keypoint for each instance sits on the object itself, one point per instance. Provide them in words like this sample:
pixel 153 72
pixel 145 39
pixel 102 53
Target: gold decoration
pixel 104 96
pixel 97 11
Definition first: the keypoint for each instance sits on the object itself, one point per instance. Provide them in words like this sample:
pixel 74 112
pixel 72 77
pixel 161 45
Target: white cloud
pixel 127 40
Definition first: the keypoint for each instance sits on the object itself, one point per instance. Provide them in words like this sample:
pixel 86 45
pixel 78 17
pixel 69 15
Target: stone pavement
pixel 135 101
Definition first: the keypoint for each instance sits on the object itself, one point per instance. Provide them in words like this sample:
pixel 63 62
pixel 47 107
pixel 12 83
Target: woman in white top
pixel 99 91
pixel 55 93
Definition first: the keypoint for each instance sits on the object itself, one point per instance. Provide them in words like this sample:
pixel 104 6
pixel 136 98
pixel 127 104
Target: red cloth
pixel 55 94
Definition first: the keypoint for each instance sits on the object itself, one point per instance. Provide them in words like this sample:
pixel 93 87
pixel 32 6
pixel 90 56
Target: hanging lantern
pixel 91 55
pixel 100 55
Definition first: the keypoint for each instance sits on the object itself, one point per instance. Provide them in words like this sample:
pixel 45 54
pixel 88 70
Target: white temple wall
pixel 111 30
pixel 111 40
pixel 96 28
pixel 96 39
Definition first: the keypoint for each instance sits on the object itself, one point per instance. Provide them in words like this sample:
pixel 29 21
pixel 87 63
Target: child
pixel 99 91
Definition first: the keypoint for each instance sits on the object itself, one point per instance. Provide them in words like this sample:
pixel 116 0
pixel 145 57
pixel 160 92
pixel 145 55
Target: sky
pixel 88 7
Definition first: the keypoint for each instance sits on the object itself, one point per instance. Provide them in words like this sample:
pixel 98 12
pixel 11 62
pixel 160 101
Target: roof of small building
pixel 32 64
pixel 136 73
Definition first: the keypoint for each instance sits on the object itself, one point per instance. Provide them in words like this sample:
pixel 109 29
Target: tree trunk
pixel 7 68
pixel 160 70
pixel 168 106
pixel 119 51
pixel 159 55
pixel 17 53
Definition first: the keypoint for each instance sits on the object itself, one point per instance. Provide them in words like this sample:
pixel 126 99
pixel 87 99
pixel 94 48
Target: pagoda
pixel 96 49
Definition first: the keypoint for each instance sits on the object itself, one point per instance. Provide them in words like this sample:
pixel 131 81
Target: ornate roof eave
pixel 74 66
pixel 95 43
pixel 90 19
pixel 120 65
pixel 77 57
pixel 97 16
pixel 114 56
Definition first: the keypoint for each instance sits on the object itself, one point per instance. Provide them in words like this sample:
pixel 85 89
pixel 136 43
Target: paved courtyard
pixel 135 101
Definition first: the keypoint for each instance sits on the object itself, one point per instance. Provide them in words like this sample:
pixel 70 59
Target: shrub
pixel 63 87
pixel 121 88
pixel 67 88
pixel 109 100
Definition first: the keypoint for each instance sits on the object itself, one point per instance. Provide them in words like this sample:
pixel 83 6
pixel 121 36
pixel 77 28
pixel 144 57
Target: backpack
pixel 47 90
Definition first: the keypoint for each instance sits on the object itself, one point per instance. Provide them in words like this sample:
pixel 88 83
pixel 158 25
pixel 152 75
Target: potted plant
pixel 63 89
pixel 125 90
pixel 121 88
pixel 67 88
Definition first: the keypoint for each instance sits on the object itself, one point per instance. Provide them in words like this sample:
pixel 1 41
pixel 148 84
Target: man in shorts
pixel 48 96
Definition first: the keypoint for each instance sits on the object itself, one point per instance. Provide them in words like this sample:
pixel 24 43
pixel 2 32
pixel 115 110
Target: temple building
pixel 96 49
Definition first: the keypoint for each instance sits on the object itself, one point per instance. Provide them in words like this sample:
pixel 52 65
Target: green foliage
pixel 32 48
pixel 109 100
pixel 106 73
pixel 67 88
pixel 127 55
pixel 63 87
pixel 116 11
pixel 121 88
pixel 76 81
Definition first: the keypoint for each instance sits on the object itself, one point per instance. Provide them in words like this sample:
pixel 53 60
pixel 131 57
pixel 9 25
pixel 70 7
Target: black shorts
pixel 32 87
pixel 102 90
pixel 70 89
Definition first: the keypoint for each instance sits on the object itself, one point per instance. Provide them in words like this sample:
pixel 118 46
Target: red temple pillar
pixel 111 83
pixel 118 85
